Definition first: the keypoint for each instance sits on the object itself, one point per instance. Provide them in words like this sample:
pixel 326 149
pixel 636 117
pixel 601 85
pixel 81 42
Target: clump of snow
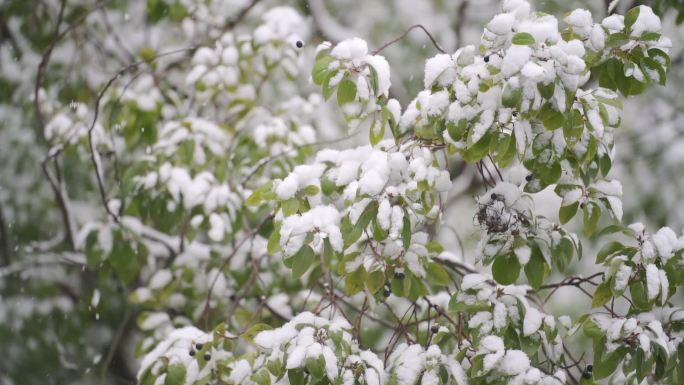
pixel 647 21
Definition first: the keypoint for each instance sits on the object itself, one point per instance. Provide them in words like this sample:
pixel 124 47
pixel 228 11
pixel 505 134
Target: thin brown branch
pixel 241 15
pixel 5 240
pixel 403 35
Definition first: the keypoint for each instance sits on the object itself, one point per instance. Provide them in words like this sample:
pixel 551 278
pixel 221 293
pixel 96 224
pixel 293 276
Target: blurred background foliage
pixel 51 329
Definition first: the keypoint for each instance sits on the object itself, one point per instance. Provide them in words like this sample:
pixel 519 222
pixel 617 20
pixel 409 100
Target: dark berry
pixel 299 44
pixel 495 196
pixel 192 353
pixel 434 328
pixel 586 375
pixel 486 59
pixel 386 293
pixel 198 346
pixel 207 356
pixel 589 368
pixel 399 275
pixel 528 177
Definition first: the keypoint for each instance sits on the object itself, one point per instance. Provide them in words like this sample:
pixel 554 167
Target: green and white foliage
pixel 239 201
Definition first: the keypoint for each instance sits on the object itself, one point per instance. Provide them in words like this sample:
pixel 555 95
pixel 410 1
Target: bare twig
pixel 241 15
pixel 403 35
pixel 5 240
pixel 115 343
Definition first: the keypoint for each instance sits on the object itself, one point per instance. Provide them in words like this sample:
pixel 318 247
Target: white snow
pixel 501 24
pixel 622 277
pixel 382 68
pixel 515 59
pixel 652 282
pixel 646 22
pixel 614 22
pixel 532 322
pixel 515 362
pixel 440 69
pixel 353 48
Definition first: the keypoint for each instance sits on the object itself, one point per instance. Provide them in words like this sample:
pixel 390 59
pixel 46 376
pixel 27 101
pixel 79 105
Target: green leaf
pixel 290 206
pixel 615 228
pixel 680 363
pixel 651 67
pixel 592 330
pixel 326 88
pixel 375 281
pixel 273 245
pixel 316 366
pixel 457 130
pixel 605 365
pixel 608 250
pixel 374 79
pixel 261 377
pixel 591 216
pixel 602 295
pixel 552 119
pixel 536 269
pixel 406 231
pixel 477 150
pixel 642 365
pixel 328 186
pixel 437 275
pixel 631 17
pixel 301 262
pixel 346 92
pixel 616 40
pixel 124 259
pixel 259 195
pixel 637 291
pixel 254 330
pixel 522 38
pixel 320 68
pixel 416 289
pixel 546 90
pixel 376 135
pixel 566 213
pixel 511 97
pixel 562 254
pixel 661 57
pixel 506 269
pixel 175 374
pixel 354 282
pixel 311 190
pixel 296 376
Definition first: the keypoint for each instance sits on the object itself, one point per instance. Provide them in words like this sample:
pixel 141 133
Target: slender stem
pixel 403 35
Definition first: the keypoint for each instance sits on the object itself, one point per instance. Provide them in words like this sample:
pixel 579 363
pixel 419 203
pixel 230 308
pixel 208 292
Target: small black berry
pixel 399 275
pixel 434 328
pixel 207 356
pixel 386 293
pixel 192 353
pixel 528 177
pixel 586 375
pixel 589 368
pixel 299 44
pixel 486 59
pixel 198 346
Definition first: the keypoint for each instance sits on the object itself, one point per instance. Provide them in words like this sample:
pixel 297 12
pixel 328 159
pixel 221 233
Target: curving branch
pixel 403 35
